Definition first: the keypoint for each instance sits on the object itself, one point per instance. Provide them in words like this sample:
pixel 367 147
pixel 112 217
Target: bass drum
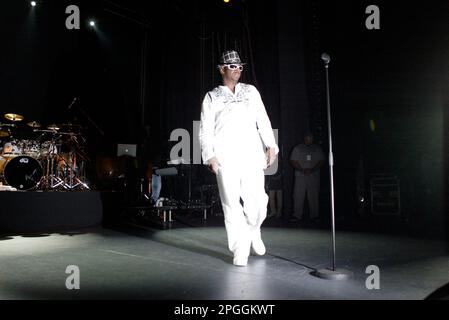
pixel 23 173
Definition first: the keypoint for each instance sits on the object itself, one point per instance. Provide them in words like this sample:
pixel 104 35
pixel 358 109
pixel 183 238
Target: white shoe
pixel 258 246
pixel 240 261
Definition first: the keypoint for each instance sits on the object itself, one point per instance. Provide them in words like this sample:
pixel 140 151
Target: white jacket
pixel 235 127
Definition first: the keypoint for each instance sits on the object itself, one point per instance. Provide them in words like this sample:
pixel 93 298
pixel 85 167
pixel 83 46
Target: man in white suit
pixel 237 144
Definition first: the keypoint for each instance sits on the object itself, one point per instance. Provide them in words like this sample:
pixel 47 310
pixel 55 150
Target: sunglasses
pixel 234 66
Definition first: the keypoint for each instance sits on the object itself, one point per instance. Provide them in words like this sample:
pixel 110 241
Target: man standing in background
pixel 307 158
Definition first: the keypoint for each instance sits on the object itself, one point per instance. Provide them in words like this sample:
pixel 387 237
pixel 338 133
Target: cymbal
pixel 8 125
pixel 53 127
pixel 4 134
pixel 70 125
pixel 34 124
pixel 13 117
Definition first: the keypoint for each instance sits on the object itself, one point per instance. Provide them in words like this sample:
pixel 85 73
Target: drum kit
pixel 37 158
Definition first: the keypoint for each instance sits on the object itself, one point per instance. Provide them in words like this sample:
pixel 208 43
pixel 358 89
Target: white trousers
pixel 242 222
pixel 309 185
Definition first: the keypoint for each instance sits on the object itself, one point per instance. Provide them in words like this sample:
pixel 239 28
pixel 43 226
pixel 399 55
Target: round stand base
pixel 337 274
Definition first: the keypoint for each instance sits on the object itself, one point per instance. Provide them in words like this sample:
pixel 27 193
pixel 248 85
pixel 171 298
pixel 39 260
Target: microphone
pixel 325 57
pixel 72 103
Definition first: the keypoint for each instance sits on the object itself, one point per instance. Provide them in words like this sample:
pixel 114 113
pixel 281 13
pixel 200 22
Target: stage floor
pixel 194 263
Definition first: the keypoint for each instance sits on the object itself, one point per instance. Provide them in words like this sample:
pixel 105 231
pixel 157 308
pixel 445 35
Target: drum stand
pixel 51 180
pixel 72 180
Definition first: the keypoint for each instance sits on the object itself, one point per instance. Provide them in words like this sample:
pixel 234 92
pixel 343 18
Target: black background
pixel 395 78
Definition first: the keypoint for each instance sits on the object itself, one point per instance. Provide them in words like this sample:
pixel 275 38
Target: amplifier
pixel 385 195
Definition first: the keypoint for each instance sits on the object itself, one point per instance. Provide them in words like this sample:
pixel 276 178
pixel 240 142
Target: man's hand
pixel 271 156
pixel 213 164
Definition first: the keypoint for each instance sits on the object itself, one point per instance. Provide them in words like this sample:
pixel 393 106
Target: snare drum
pixel 23 172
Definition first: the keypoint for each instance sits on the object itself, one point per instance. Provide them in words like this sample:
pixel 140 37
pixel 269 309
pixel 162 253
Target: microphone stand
pixel 84 113
pixel 334 273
